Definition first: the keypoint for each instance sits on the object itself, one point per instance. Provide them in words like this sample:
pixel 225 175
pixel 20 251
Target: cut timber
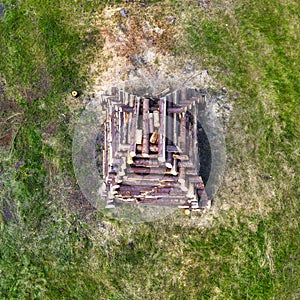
pixel 139 136
pixel 156 119
pixel 152 148
pixel 174 167
pixel 135 118
pixel 182 136
pixel 154 138
pixel 151 123
pixel 162 130
pixel 125 108
pixel 181 178
pixel 145 147
pixel 169 125
pixel 146 162
pixel 181 157
pixel 177 109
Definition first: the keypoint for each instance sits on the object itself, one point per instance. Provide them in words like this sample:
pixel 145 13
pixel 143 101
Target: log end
pixel 132 154
pixel 169 165
pixel 161 159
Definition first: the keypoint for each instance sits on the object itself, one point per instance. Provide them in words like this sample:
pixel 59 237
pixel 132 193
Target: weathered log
pixel 177 109
pixel 181 157
pixel 181 178
pixel 131 100
pixel 156 119
pixel 145 144
pixel 151 123
pixel 174 167
pixel 152 148
pixel 151 177
pixel 169 125
pixel 126 98
pixel 154 138
pixel 121 96
pixel 183 187
pixel 162 130
pixel 191 190
pixel 121 128
pixel 146 162
pixel 139 137
pixel 124 147
pixel 182 136
pixel 114 91
pixel 195 137
pixel 183 95
pixel 135 117
pixel 125 108
pixel 129 128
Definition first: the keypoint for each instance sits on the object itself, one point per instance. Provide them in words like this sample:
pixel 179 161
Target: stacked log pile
pixel 150 154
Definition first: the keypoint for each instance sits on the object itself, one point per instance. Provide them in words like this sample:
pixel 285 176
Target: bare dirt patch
pixel 138 52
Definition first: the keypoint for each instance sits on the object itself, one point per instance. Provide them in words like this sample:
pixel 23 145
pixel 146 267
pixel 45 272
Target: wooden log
pixel 135 117
pixel 105 151
pixel 191 190
pixel 131 100
pixel 126 98
pixel 199 185
pixel 156 119
pixel 153 108
pixel 183 187
pixel 204 202
pixel 183 95
pixel 121 128
pixel 175 118
pixel 172 148
pixel 195 137
pixel 138 170
pixel 140 182
pixel 110 137
pixel 169 131
pixel 146 162
pixel 139 136
pixel 177 109
pixel 169 160
pixel 194 179
pixel 182 136
pixel 151 123
pixel 145 142
pixel 125 108
pixel 154 137
pixel 174 167
pixel 181 177
pixel 114 132
pixel 129 160
pixel 121 96
pixel 151 177
pixel 125 187
pixel 162 130
pixel 114 90
pixel 152 148
pixel 124 147
pixel 129 128
pixel 181 157
pixel 151 155
pixel 190 142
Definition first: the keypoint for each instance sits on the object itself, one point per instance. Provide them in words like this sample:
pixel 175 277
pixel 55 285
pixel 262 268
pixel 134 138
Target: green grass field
pixel 53 245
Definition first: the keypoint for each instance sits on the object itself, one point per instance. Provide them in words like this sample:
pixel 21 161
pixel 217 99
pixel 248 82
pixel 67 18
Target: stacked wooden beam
pixel 151 151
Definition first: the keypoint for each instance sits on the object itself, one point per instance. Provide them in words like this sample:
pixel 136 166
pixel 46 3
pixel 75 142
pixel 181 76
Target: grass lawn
pixel 53 245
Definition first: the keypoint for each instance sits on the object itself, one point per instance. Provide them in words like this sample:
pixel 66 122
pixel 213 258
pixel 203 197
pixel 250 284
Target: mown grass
pixel 48 250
